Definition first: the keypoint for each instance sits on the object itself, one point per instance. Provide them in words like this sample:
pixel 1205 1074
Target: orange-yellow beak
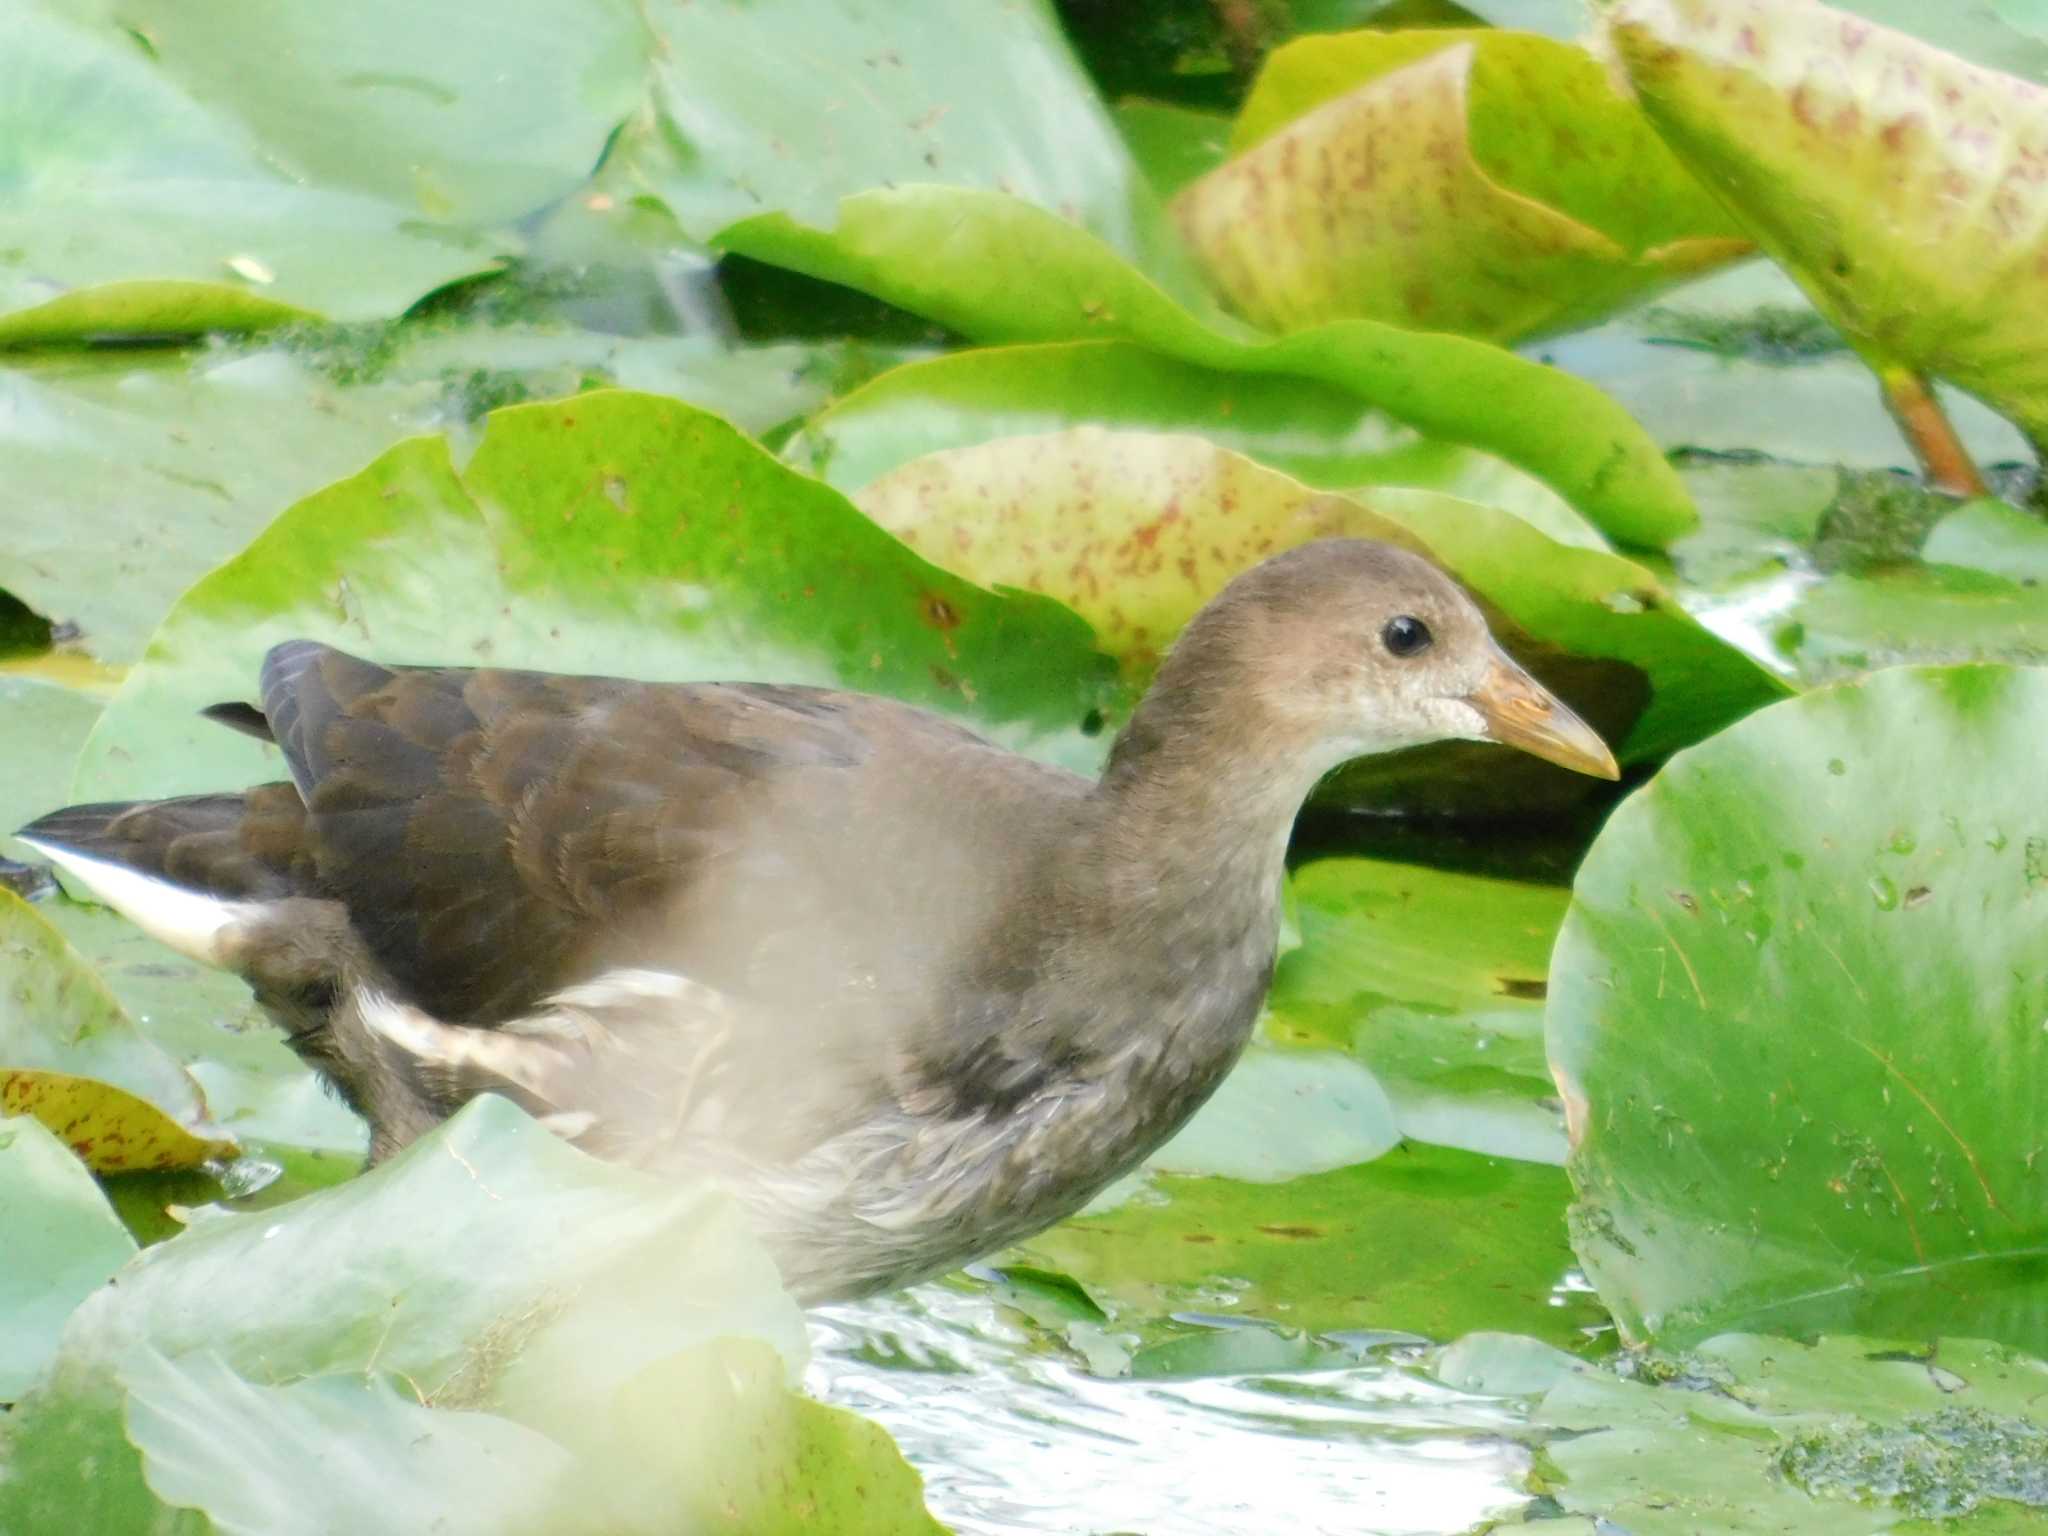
pixel 1521 712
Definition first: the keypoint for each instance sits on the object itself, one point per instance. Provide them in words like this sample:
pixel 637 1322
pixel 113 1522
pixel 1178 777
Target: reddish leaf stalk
pixel 1943 458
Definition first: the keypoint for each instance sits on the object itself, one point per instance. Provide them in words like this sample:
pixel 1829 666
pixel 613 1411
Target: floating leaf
pixel 1175 145
pixel 1740 363
pixel 972 93
pixel 369 101
pixel 1425 1239
pixel 1842 1437
pixel 1435 981
pixel 1896 182
pixel 1316 432
pixel 64 1240
pixel 1282 1114
pixel 43 724
pixel 1135 530
pixel 291 1460
pixel 1494 184
pixel 1795 1013
pixel 1854 623
pixel 622 1331
pixel 72 1058
pixel 129 205
pixel 133 475
pixel 998 270
pixel 110 1128
pixel 611 533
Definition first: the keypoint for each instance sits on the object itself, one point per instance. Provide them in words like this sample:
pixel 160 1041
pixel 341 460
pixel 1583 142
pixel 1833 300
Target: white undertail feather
pixel 549 1053
pixel 189 921
pixel 523 1059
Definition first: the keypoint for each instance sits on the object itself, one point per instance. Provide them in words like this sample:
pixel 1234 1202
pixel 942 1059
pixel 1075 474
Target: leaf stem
pixel 1943 458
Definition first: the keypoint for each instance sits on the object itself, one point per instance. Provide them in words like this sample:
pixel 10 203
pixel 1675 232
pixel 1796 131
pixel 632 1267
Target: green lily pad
pixel 1316 432
pixel 1440 180
pixel 1425 1240
pixel 130 205
pixel 1991 536
pixel 1148 525
pixel 1787 964
pixel 1844 1437
pixel 1282 1114
pixel 73 1058
pixel 1850 624
pixel 1888 176
pixel 254 1088
pixel 371 101
pixel 277 1459
pixel 1173 144
pixel 131 477
pixel 64 1241
pixel 588 533
pixel 43 724
pixel 1714 366
pixel 136 474
pixel 1435 981
pixel 580 1333
pixel 790 105
pixel 998 270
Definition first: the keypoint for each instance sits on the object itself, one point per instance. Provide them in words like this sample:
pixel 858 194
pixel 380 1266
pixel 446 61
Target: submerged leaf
pixel 1795 1013
pixel 1902 186
pixel 998 270
pixel 1489 183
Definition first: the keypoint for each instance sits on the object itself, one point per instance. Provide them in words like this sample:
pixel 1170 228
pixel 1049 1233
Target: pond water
pixel 1014 1441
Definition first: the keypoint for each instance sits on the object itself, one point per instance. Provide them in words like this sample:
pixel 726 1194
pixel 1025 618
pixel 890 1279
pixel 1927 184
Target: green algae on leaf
pixel 1795 1014
pixel 997 270
pixel 1494 184
pixel 1899 184
pixel 1843 1436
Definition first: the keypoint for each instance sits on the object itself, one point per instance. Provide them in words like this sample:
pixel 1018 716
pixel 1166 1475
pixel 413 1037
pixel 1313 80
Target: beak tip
pixel 1519 712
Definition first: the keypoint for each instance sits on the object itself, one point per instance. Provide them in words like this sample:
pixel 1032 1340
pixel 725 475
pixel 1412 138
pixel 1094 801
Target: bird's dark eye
pixel 1406 635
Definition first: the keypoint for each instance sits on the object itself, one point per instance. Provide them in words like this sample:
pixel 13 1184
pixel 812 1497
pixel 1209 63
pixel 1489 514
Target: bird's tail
pixel 184 870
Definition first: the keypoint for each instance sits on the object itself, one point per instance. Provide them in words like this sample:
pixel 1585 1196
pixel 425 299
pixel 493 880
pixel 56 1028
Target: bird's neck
pixel 1200 795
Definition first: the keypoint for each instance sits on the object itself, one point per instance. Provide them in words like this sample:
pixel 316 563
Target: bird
pixel 909 996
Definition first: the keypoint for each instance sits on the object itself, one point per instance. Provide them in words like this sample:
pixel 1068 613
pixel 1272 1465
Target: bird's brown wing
pixel 487 830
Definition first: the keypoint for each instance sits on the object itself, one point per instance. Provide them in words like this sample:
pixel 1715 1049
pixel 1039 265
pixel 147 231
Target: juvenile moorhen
pixel 910 996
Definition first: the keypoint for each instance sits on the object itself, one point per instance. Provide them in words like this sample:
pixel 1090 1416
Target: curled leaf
pixel 1489 183
pixel 1906 189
